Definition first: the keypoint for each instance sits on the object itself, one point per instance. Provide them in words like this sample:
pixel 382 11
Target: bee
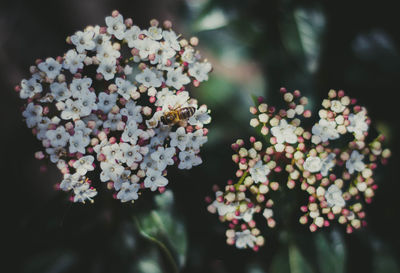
pixel 177 115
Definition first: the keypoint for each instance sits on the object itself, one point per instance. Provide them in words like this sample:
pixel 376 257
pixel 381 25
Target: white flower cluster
pixel 101 105
pixel 333 163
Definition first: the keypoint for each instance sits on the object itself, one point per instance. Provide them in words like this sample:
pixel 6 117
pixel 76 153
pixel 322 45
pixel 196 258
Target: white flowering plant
pixel 330 160
pixel 97 109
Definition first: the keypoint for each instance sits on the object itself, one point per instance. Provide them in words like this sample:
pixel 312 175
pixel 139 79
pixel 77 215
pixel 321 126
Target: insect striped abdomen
pixel 186 112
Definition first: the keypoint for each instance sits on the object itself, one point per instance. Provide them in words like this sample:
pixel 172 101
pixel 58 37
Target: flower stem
pixel 241 179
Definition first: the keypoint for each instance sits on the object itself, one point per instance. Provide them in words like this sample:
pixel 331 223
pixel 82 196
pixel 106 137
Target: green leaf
pixel 164 229
pixel 331 252
pixel 310 25
pixel 290 259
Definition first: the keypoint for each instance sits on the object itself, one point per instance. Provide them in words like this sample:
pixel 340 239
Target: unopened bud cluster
pixel 332 160
pixel 101 104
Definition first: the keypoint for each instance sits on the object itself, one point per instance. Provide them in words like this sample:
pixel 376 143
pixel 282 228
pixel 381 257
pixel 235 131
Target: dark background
pixel 255 47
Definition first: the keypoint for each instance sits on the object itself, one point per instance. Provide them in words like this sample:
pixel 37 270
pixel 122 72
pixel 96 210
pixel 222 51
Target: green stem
pixel 241 179
pixel 160 244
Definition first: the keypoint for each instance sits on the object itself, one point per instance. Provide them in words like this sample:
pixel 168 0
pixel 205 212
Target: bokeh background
pixel 256 46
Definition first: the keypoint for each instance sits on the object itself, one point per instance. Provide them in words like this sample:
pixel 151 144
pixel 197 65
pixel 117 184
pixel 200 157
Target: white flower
pixel 177 79
pixel 80 86
pixel 147 47
pixel 334 197
pixel 131 153
pixel 113 121
pixel 337 106
pixel 188 159
pixel 73 61
pixel 163 157
pixel 84 164
pixel 154 33
pixel 325 130
pixel 116 26
pixel 58 137
pixel 222 208
pixel 29 88
pixel 110 171
pixel 70 181
pixel 107 101
pixel 113 153
pixel 327 164
pixel 132 36
pixel 78 142
pixel 197 139
pixel 100 39
pixel 172 39
pixel 131 132
pixel 84 192
pixel 83 40
pixel 154 179
pixel 284 132
pixel 72 110
pixel 56 153
pixel 60 91
pixel 132 112
pixel 33 114
pixel 355 163
pixel 107 68
pixel 163 96
pixel 358 125
pixel 244 239
pixel 148 78
pixel 173 101
pixel 188 55
pixel 259 172
pixel 107 53
pixel 51 67
pixel 200 117
pixel 128 192
pixel 247 216
pixel 200 71
pixel 179 138
pixel 313 164
pixel 87 103
pixel 125 177
pixel 163 54
pixel 125 88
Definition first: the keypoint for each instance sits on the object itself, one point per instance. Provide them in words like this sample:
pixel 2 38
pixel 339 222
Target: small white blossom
pixel 284 132
pixel 116 26
pixel 73 61
pixel 107 53
pixel 244 239
pixel 58 137
pixel 163 157
pixel 72 110
pixel 358 124
pixel 325 130
pixel 147 47
pixel 83 40
pixel 334 197
pixel 154 179
pixel 154 33
pixel 113 121
pixel 131 132
pixel 337 106
pixel 268 213
pixel 78 142
pixel 172 39
pixel 355 162
pixel 80 86
pixel 60 91
pixel 200 117
pixel 327 163
pixel 259 172
pixel 128 192
pixel 132 112
pixel 33 114
pixel 148 78
pixel 107 101
pixel 51 67
pixel 132 36
pixel 29 88
pixel 179 138
pixel 200 71
pixel 197 139
pixel 188 159
pixel 84 164
pixel 84 192
pixel 110 171
pixel 313 164
pixel 125 88
pixel 177 79
pixel 131 153
pixel 107 68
